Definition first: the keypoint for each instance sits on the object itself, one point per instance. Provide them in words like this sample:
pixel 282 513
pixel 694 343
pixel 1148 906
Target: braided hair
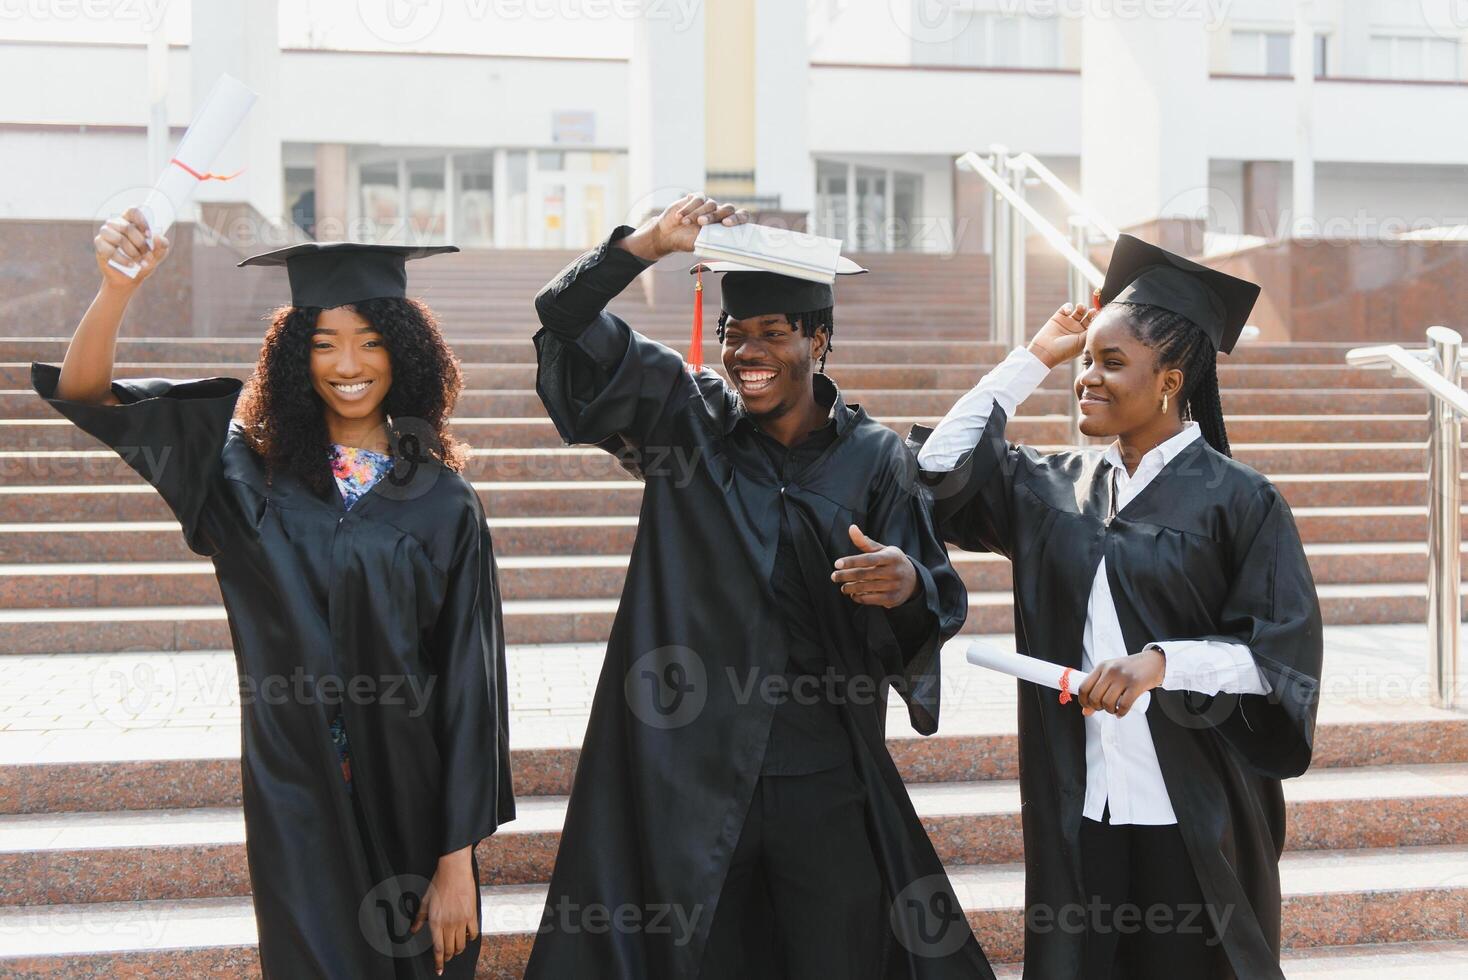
pixel 1180 343
pixel 808 323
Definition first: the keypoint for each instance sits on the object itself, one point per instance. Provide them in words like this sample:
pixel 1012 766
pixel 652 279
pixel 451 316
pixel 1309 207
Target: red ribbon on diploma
pixel 1065 686
pixel 199 176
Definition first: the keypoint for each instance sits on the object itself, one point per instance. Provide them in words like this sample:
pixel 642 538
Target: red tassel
pixel 695 349
pixel 1065 686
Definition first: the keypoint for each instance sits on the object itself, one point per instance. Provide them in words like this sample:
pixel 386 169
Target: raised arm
pixel 86 371
pixel 601 383
pixel 966 462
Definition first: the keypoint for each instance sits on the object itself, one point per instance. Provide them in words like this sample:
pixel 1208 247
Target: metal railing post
pixel 1444 532
pixel 1001 243
pixel 1018 328
pixel 1080 292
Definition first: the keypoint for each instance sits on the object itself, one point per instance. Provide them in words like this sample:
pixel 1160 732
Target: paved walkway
pixel 82 707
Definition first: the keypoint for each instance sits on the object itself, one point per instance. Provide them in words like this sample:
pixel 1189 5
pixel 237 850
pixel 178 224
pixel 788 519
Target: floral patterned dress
pixel 356 470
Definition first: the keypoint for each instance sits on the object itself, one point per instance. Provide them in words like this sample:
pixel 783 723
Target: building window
pixel 1414 58
pixel 427 206
pixel 871 209
pixel 959 36
pixel 474 200
pixel 381 203
pixel 300 197
pixel 1270 53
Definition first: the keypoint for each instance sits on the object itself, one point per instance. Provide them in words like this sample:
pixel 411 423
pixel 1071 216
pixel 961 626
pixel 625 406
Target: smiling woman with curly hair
pixel 285 407
pixel 359 582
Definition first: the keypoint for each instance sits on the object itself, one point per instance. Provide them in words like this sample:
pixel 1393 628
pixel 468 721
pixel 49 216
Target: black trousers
pixel 803 897
pixel 1146 918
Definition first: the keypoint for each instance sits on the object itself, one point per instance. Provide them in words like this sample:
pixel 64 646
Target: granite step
pixel 83 466
pixel 492 350
pixel 66 585
pixel 113 629
pixel 143 730
pixel 152 855
pixel 891 402
pixel 162 540
pixel 136 501
pixel 540 433
pixel 16 374
pixel 1330 899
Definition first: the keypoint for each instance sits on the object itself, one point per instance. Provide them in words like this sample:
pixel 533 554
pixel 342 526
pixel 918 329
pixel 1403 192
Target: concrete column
pixel 783 166
pixel 331 192
pixel 242 39
pixel 1144 136
pixel 666 146
pixel 729 99
pixel 1261 198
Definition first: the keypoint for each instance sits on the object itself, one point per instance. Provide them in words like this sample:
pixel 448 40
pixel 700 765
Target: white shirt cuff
pixel 1211 667
pixel 1008 384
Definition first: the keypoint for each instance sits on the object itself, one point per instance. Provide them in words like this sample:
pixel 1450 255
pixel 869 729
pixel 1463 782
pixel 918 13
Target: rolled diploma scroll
pixel 1034 670
pixel 216 121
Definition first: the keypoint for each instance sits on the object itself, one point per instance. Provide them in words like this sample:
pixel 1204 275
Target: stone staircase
pixel 121 839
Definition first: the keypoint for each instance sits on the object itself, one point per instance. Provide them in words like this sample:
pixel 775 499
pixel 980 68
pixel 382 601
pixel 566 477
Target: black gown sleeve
pixel 603 383
pixel 467 650
pixel 973 504
pixel 170 432
pixel 1273 608
pixel 907 639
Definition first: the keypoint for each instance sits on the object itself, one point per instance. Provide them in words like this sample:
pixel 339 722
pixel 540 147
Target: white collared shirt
pixel 1121 761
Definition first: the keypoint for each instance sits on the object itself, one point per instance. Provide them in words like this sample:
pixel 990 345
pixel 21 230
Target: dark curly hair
pixel 282 414
pixel 808 322
pixel 1179 343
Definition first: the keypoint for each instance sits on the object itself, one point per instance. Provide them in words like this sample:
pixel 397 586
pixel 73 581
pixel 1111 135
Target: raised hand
pixel 125 238
pixel 1064 336
pixel 675 229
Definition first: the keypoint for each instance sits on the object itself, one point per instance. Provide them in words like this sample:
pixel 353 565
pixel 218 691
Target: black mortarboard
pixel 1217 302
pixel 746 291
pixel 331 274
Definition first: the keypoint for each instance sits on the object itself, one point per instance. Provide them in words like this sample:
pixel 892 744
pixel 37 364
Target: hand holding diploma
pixel 216 121
pixel 124 241
pixel 1116 686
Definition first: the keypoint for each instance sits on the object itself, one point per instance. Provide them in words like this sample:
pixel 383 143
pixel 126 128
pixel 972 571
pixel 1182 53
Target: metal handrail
pixel 1004 175
pixel 1077 204
pixel 1007 263
pixel 1052 235
pixel 1414 365
pixel 1439 371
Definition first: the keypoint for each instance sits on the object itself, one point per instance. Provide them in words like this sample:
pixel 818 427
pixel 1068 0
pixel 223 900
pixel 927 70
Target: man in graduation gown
pixel 1205 553
pixel 390 610
pixel 727 819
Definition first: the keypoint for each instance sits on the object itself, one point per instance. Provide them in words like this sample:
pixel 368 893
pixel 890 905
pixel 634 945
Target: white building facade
pixel 1154 109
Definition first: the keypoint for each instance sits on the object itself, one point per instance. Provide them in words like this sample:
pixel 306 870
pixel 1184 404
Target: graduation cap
pixel 749 291
pixel 331 274
pixel 1217 302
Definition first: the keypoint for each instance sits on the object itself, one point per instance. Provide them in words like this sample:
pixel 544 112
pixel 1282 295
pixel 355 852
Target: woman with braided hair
pixel 1159 564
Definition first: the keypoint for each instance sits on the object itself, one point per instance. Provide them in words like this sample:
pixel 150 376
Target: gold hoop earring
pixel 1164 403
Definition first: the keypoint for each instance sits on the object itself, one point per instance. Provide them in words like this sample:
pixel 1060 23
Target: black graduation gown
pixel 659 800
pixel 1208 550
pixel 400 591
